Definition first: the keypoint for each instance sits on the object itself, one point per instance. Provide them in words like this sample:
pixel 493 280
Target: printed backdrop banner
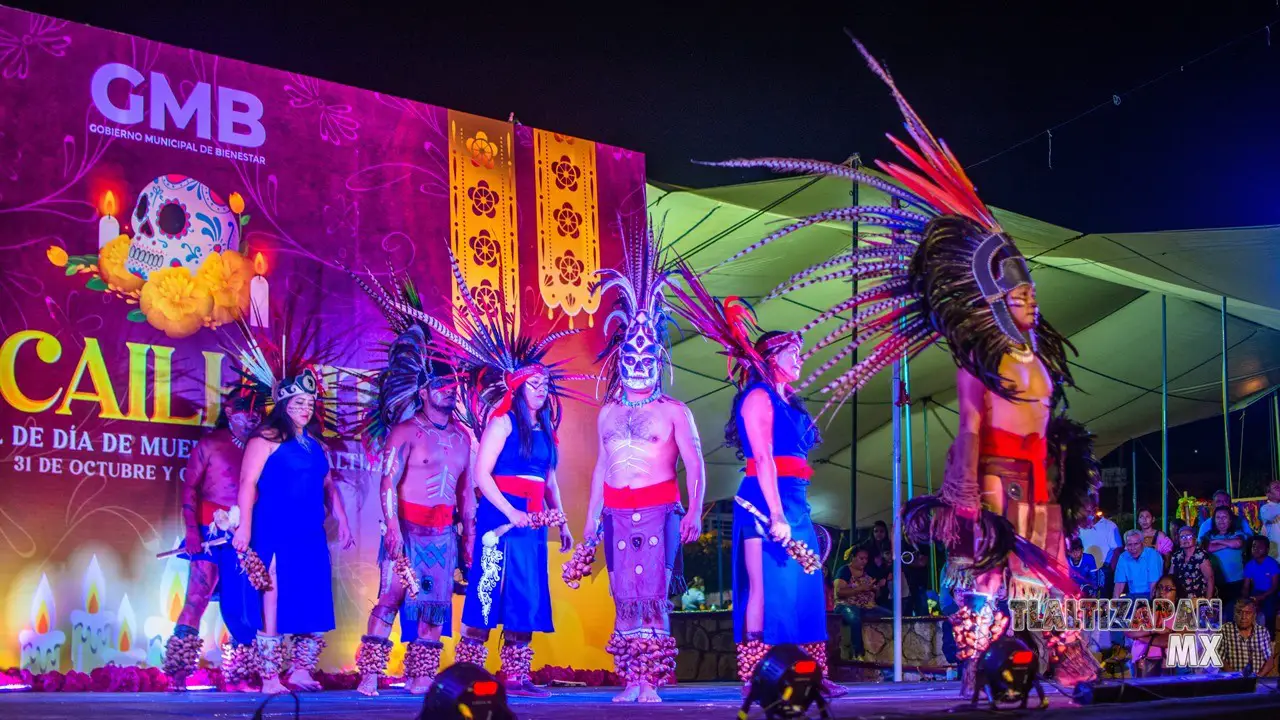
pixel 148 196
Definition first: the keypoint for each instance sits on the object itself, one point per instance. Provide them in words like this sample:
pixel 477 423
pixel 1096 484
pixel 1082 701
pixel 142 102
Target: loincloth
pixel 1040 523
pixel 431 546
pixel 642 549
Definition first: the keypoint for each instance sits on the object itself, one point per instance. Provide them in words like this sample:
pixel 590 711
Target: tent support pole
pixel 1226 411
pixel 1275 431
pixel 1164 412
pixel 1134 464
pixel 928 481
pixel 896 535
pixel 853 161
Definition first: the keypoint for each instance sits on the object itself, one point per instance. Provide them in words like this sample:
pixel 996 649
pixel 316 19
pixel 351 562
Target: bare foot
pixel 302 680
pixel 629 694
pixel 527 689
pixel 648 694
pixel 832 690
pixel 273 686
pixel 241 686
pixel 418 685
pixel 368 685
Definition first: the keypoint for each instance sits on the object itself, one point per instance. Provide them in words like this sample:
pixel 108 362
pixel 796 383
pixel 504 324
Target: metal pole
pixel 1164 412
pixel 1135 483
pixel 1275 431
pixel 719 554
pixel 1226 412
pixel 928 481
pixel 897 521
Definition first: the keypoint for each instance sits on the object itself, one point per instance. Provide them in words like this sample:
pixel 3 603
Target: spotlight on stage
pixel 1008 672
pixel 786 682
pixel 465 692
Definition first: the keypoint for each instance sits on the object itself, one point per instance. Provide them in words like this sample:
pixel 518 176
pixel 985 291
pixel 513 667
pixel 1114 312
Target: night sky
pixel 1198 148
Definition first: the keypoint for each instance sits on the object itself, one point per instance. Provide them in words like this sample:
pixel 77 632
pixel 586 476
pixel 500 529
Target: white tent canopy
pixel 1102 291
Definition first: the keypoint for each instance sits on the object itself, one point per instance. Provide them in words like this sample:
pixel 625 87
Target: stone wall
pixel 921 641
pixel 707 650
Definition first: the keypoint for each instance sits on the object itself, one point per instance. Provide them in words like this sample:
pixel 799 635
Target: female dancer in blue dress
pixel 283 486
pixel 519 395
pixel 774 600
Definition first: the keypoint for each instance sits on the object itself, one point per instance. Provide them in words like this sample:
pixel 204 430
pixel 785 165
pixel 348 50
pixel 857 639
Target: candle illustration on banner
pixel 173 590
pixel 129 651
pixel 108 226
pixel 91 628
pixel 259 294
pixel 41 646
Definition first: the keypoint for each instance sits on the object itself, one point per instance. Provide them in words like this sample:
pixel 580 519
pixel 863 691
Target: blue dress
pixel 522 600
pixel 288 525
pixel 795 603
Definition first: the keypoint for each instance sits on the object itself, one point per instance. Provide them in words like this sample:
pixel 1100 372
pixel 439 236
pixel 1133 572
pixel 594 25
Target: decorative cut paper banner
pixel 482 211
pixel 568 223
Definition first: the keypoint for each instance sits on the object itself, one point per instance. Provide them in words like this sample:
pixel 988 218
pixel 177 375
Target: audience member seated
pixel 1149 646
pixel 1152 537
pixel 1084 570
pixel 1246 644
pixel 1261 574
pixel 856 592
pixel 1137 569
pixel 1190 567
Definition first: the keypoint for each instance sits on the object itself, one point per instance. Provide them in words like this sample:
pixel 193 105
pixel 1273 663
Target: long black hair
pixel 277 426
pixel 732 438
pixel 523 426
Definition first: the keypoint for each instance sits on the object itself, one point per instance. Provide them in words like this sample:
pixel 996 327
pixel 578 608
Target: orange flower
pixel 226 277
pixel 237 203
pixel 174 302
pixel 57 256
pixel 111 266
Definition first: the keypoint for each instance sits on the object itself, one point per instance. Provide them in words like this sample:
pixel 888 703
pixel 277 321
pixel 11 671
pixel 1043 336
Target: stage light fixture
pixel 1008 671
pixel 786 682
pixel 466 692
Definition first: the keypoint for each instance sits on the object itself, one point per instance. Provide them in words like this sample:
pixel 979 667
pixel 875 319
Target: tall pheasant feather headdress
pixel 944 274
pixel 491 348
pixel 410 361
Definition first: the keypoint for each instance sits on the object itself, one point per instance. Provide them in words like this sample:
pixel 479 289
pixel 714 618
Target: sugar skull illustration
pixel 177 222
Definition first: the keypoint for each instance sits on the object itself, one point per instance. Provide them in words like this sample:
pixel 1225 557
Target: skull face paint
pixel 177 222
pixel 639 358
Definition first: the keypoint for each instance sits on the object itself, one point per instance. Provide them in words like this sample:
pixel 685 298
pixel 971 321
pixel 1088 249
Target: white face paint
pixel 639 359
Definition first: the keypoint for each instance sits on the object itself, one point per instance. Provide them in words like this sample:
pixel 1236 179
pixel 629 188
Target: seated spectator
pixel 1269 516
pixel 695 596
pixel 1190 568
pixel 1149 646
pixel 1084 571
pixel 1261 574
pixel 1101 539
pixel 856 592
pixel 1221 499
pixel 1137 569
pixel 1226 549
pixel 1246 644
pixel 1152 537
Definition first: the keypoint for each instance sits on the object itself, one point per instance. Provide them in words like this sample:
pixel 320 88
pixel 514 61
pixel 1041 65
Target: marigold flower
pixel 226 276
pixel 174 302
pixel 111 266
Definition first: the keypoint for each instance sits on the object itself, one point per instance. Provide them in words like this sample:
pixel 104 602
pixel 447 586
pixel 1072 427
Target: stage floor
pixel 882 700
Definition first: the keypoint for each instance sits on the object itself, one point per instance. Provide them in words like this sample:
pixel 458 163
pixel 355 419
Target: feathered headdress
pixel 729 323
pixel 945 271
pixel 284 364
pixel 490 347
pixel 638 322
pixel 410 362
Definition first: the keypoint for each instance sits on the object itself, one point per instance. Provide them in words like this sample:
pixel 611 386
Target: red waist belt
pixel 788 466
pixel 207 509
pixel 432 516
pixel 1031 448
pixel 663 493
pixel 531 490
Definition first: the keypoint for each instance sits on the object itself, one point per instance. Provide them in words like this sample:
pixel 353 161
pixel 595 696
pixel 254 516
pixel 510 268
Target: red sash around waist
pixel 788 466
pixel 995 442
pixel 207 509
pixel 432 516
pixel 531 490
pixel 663 493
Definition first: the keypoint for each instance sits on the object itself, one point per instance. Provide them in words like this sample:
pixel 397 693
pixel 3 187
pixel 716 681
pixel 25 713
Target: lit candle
pixel 108 227
pixel 128 651
pixel 259 293
pixel 41 646
pixel 91 628
pixel 158 628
